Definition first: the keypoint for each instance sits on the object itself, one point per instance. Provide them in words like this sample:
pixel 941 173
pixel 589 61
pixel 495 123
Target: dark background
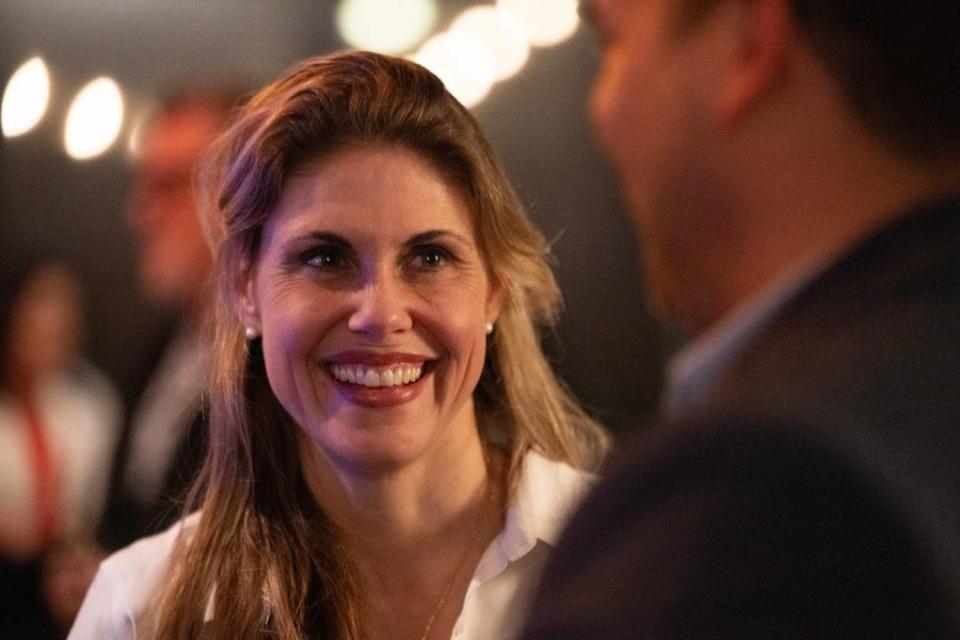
pixel 607 347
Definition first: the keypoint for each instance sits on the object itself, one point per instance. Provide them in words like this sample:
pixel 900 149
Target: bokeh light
pixel 500 33
pixel 385 26
pixel 135 133
pixel 94 119
pixel 463 62
pixel 547 22
pixel 25 98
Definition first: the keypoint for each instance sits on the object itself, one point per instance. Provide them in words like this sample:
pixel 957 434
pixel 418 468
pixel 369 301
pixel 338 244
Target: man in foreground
pixel 792 168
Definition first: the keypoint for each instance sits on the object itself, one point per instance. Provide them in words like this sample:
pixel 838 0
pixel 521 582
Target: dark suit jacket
pixel 125 518
pixel 819 494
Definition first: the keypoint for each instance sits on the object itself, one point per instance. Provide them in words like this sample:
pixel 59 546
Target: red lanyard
pixel 47 503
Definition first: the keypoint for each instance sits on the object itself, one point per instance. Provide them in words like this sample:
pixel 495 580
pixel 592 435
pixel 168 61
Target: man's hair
pixel 897 62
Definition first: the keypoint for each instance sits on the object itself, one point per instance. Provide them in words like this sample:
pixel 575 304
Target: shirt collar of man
pixel 694 371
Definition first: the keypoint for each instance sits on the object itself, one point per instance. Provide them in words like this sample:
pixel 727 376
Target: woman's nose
pixel 380 308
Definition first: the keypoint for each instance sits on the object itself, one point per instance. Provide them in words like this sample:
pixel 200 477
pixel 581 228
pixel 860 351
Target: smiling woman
pixel 367 268
pixel 390 454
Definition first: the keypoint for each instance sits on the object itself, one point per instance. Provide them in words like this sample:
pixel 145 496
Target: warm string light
pixel 489 43
pixel 94 119
pixel 485 44
pixel 502 37
pixel 546 22
pixel 25 98
pixel 135 128
pixel 463 64
pixel 385 26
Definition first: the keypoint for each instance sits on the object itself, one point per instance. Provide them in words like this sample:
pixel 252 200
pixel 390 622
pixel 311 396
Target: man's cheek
pixel 603 105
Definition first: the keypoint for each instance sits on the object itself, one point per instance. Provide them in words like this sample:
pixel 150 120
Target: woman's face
pixel 371 298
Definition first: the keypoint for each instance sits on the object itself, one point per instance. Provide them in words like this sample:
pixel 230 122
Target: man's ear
pixel 762 31
pixel 245 294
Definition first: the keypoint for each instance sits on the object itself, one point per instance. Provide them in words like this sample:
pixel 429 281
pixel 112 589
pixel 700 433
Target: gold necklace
pixel 474 541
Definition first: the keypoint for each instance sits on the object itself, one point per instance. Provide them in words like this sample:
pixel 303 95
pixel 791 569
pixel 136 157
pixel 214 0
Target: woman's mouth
pixel 377 377
pixel 379 381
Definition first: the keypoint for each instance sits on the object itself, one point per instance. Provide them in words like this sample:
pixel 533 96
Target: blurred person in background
pixel 793 173
pixel 59 419
pixel 391 456
pixel 164 437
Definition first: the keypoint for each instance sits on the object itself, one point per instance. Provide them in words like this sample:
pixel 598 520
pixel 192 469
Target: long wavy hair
pixel 264 559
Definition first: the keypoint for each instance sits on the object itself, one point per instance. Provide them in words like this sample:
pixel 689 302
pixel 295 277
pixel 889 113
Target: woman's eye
pixel 431 257
pixel 325 258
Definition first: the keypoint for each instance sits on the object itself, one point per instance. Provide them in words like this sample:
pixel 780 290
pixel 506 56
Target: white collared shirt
pixel 496 602
pixel 80 414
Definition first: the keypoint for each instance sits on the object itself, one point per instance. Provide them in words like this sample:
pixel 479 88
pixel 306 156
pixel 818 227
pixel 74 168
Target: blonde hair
pixel 260 531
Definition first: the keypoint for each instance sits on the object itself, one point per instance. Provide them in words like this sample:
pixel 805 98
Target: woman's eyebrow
pixel 437 234
pixel 320 236
pixel 290 249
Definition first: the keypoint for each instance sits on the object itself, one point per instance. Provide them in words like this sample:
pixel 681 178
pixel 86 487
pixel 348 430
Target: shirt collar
pixel 545 497
pixel 693 372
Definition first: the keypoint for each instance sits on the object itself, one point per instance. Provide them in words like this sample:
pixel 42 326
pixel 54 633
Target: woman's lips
pixel 379 380
pixel 389 376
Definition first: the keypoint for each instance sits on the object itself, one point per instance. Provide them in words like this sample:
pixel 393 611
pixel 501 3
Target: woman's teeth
pixel 377 376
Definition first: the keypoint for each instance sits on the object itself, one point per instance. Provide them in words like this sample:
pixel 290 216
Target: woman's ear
pixel 245 294
pixel 496 297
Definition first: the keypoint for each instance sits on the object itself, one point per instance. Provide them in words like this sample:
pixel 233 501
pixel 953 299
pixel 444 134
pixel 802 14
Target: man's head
pixel 703 104
pixel 174 261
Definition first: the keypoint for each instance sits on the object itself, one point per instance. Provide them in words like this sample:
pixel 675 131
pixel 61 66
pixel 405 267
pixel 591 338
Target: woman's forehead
pixel 372 192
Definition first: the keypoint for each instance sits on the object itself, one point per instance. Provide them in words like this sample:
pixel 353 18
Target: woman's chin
pixel 369 454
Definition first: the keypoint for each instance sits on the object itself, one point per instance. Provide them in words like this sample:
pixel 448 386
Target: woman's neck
pixel 415 533
pixel 401 506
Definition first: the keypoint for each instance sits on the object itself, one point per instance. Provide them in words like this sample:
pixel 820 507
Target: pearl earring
pixel 250 333
pixel 489 328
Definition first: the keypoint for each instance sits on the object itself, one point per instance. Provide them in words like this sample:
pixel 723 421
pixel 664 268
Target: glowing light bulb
pixel 546 22
pixel 386 26
pixel 94 119
pixel 500 33
pixel 25 98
